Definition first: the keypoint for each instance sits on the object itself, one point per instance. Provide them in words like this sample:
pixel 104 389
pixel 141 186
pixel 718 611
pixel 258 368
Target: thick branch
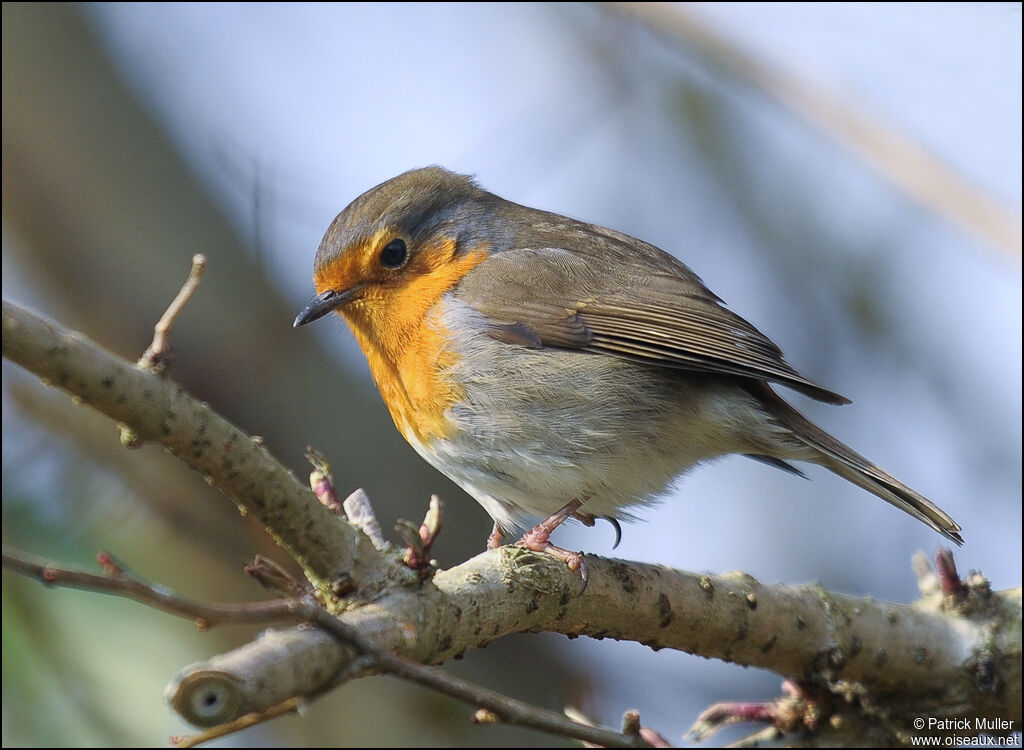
pixel 230 686
pixel 958 661
pixel 158 410
pixel 804 633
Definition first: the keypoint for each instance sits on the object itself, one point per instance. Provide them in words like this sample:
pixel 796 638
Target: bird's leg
pixel 537 538
pixel 586 519
pixel 494 540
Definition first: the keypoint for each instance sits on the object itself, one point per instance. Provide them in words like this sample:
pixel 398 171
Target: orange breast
pixel 413 382
pixel 399 327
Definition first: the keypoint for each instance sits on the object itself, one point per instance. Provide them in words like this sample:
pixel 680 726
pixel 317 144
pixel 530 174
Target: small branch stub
pixel 322 482
pixel 419 541
pixel 361 515
pixel 271 576
pixel 157 355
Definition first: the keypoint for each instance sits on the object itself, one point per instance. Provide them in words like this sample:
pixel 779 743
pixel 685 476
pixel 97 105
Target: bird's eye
pixel 394 254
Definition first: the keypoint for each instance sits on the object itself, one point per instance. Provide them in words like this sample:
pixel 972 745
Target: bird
pixel 557 369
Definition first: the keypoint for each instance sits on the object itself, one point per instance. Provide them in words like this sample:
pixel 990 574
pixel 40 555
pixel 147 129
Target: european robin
pixel 554 368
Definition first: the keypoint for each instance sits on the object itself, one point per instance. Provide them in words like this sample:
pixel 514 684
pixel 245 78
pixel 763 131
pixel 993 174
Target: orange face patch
pixel 396 320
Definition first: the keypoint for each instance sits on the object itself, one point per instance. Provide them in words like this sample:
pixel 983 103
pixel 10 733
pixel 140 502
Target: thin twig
pixel 273 577
pixel 155 409
pixel 242 722
pixel 120 583
pixel 507 709
pixel 157 355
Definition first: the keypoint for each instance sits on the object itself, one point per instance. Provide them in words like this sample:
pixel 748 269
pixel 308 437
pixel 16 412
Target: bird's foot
pixel 538 539
pixel 494 538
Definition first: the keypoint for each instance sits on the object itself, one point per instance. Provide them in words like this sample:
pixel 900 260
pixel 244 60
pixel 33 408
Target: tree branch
pixel 803 633
pixel 204 696
pixel 158 352
pixel 957 652
pixel 155 409
pixel 120 583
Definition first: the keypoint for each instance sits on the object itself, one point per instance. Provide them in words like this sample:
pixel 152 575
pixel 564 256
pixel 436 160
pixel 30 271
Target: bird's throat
pixel 408 347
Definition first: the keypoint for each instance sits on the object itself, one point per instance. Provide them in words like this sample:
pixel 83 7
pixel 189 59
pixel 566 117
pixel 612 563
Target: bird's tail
pixel 850 465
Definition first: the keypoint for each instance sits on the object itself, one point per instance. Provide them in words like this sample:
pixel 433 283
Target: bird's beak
pixel 323 304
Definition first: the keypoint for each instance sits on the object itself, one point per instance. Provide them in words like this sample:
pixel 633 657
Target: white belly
pixel 542 427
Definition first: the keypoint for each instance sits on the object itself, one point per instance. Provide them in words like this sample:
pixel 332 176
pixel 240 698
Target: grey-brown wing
pixel 634 302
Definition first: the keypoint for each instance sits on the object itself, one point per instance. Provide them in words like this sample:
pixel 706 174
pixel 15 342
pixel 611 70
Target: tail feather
pixel 853 467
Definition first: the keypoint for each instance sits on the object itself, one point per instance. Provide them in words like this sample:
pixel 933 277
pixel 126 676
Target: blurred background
pixel 847 177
